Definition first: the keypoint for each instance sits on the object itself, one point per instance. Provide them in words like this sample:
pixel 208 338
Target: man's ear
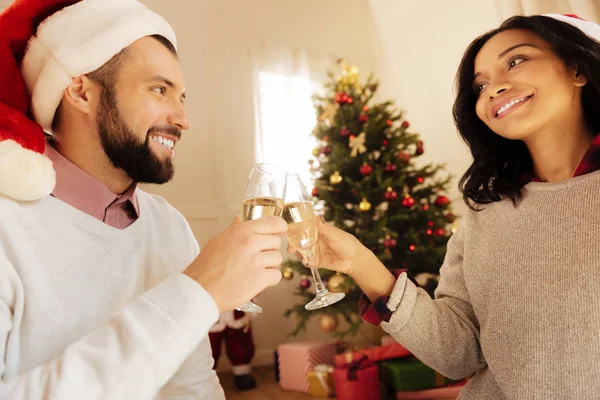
pixel 82 94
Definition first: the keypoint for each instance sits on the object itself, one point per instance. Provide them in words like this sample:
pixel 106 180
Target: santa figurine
pixel 234 328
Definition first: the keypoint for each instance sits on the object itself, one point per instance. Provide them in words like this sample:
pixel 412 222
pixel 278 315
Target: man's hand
pixel 240 262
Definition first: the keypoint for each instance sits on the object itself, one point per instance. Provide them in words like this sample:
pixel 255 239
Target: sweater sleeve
pixel 443 333
pixel 195 379
pixel 131 357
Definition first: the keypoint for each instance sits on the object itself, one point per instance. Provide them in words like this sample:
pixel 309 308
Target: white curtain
pixel 284 82
pixel 587 9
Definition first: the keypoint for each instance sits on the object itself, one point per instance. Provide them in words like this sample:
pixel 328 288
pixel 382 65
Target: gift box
pixel 374 354
pixel 298 358
pixel 320 381
pixel 276 365
pixel 411 374
pixel 443 393
pixel 357 380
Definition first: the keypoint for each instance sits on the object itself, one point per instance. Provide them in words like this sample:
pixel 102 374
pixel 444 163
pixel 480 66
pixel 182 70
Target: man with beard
pixel 104 293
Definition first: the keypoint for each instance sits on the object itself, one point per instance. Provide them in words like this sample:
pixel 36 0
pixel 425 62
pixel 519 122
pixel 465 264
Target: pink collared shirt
pixel 81 191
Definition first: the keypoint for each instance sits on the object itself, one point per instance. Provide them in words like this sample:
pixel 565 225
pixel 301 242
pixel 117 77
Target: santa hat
pixel 43 45
pixel 591 29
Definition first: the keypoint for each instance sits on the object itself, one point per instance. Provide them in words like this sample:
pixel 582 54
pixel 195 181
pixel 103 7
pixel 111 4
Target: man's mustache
pixel 168 130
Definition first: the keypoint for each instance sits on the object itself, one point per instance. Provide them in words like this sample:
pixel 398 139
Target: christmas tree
pixel 367 182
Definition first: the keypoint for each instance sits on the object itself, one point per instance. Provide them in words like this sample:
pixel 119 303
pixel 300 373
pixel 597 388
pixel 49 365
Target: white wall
pixel 420 45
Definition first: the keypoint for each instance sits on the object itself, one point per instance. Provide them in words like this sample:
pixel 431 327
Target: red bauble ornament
pixel 390 194
pixel 419 151
pixel 366 170
pixel 388 122
pixel 363 118
pixel 386 142
pixel 405 124
pixel 430 223
pixel 345 132
pixel 304 284
pixel 390 243
pixel 350 100
pixel 326 138
pixel 412 247
pixel 429 232
pixel 315 192
pixel 403 156
pixel 420 179
pixel 341 98
pixel 425 207
pixel 408 202
pixel 442 201
pixel 420 143
pixel 365 108
pixel 450 217
pixel 391 167
pixel 326 150
pixel 440 232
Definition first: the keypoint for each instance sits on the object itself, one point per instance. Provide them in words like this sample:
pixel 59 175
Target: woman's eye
pixel 479 88
pixel 514 62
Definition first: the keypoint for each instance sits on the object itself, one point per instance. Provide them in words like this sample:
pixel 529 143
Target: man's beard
pixel 126 150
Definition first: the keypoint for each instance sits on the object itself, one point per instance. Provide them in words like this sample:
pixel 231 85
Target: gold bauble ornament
pixel 287 273
pixel 316 151
pixel 364 205
pixel 328 323
pixel 336 178
pixel 338 284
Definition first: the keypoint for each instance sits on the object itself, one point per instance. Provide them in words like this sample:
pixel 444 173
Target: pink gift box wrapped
pixel 298 358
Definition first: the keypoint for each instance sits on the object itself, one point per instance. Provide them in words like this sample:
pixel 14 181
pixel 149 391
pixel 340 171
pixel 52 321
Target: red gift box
pixel 298 358
pixel 374 354
pixel 358 380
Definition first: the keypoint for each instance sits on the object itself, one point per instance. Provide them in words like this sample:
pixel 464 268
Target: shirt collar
pixel 80 190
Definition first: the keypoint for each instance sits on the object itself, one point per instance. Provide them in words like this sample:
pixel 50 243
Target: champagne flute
pixel 263 197
pixel 302 233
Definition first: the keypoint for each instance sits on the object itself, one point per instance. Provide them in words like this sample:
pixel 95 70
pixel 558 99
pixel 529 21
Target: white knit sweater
pixel 88 311
pixel 518 303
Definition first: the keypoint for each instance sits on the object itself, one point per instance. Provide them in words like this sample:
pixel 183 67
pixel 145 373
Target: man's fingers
pixel 268 242
pixel 237 220
pixel 272 276
pixel 268 226
pixel 270 259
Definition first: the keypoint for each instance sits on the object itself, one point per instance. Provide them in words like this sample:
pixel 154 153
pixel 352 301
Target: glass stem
pixel 319 286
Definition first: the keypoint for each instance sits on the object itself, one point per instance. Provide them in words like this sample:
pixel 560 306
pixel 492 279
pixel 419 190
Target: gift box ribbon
pixel 355 366
pixel 321 372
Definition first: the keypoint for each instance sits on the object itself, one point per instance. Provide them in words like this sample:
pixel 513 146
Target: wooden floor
pixel 266 389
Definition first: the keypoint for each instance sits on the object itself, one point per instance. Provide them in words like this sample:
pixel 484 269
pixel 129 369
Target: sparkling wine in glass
pixel 263 197
pixel 302 233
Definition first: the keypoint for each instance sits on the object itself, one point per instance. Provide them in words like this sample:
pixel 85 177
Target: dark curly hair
pixel 499 164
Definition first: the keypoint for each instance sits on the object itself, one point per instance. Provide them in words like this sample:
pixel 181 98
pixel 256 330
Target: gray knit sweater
pixel 518 303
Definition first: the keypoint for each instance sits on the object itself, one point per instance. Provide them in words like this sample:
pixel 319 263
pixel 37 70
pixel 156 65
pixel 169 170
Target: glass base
pixel 324 299
pixel 250 307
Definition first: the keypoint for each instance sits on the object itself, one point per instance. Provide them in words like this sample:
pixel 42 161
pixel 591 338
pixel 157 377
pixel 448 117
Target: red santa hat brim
pixel 590 28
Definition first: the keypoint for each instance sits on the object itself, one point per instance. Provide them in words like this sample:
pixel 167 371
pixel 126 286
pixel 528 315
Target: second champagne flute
pixel 263 197
pixel 302 233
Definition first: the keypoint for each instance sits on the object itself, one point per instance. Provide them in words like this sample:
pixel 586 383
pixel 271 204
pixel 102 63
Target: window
pixel 285 119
